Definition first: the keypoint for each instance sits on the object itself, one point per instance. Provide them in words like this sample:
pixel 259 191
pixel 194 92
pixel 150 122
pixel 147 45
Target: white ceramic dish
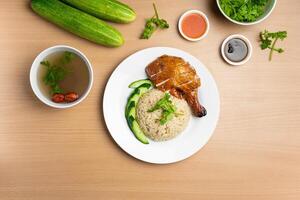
pixel 269 9
pixel 249 46
pixel 188 13
pixel 183 146
pixel 34 76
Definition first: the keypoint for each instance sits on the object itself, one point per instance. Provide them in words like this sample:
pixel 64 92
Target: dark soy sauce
pixel 236 50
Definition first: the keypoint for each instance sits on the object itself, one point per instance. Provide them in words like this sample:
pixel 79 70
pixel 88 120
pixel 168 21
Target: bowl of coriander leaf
pixel 246 12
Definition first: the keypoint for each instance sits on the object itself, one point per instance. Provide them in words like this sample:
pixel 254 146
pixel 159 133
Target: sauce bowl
pixel 182 17
pixel 249 49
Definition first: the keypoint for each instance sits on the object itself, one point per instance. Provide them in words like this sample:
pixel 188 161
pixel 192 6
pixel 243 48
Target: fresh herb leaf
pixel 153 24
pixel 168 109
pixel 67 58
pixel 166 116
pixel 268 41
pixel 57 73
pixel 243 10
pixel 53 76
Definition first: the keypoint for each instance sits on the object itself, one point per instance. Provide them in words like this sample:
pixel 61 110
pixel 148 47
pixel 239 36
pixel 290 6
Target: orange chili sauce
pixel 193 25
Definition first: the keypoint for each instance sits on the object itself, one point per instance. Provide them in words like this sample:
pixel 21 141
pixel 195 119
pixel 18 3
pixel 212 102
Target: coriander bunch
pixel 153 24
pixel 167 107
pixel 243 10
pixel 57 72
pixel 268 41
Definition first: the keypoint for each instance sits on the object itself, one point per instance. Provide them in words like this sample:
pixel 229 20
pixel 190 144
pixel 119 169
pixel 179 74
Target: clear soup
pixel 76 80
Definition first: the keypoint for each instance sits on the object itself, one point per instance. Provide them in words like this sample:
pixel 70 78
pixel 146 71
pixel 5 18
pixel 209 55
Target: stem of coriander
pixel 276 49
pixel 156 13
pixel 272 49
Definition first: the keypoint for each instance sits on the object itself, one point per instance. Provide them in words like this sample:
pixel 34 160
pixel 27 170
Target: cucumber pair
pixel 80 18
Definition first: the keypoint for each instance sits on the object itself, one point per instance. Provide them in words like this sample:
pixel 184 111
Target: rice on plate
pixel 149 121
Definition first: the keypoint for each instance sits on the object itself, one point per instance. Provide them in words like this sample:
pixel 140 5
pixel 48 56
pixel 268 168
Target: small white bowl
pixel 188 13
pixel 249 46
pixel 269 9
pixel 34 76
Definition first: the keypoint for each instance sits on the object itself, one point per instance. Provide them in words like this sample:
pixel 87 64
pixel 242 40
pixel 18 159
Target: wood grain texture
pixel 48 154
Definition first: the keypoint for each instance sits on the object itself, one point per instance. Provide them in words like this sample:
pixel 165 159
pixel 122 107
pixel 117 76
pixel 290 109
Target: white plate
pixel 195 136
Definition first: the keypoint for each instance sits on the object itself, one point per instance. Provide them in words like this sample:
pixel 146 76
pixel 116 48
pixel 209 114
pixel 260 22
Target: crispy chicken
pixel 173 74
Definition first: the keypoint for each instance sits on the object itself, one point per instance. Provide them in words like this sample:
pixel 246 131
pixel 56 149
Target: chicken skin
pixel 173 74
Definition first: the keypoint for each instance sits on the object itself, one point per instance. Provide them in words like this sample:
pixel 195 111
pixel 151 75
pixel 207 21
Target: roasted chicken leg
pixel 173 74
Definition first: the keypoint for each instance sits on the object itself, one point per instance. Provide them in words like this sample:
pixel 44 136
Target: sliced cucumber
pixel 129 105
pixel 130 110
pixel 138 83
pixel 135 95
pixel 138 132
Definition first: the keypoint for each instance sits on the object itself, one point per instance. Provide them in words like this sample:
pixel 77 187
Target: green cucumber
pixel 78 22
pixel 139 133
pixel 135 95
pixel 110 10
pixel 130 111
pixel 138 83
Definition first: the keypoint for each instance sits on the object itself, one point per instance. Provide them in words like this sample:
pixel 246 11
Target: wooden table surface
pixel 48 154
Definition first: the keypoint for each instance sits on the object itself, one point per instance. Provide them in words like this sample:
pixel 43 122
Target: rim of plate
pixel 109 128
